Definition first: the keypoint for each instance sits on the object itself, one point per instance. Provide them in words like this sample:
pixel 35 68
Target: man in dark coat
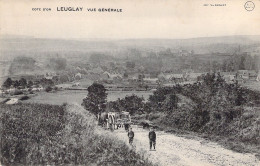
pixel 131 135
pixel 152 138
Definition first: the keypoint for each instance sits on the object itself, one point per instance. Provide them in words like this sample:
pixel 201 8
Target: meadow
pixel 76 96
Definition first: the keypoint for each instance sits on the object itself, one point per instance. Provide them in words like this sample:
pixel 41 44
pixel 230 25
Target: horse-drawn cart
pixel 114 120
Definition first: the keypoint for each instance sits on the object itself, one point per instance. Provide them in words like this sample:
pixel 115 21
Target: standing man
pixel 152 138
pixel 131 135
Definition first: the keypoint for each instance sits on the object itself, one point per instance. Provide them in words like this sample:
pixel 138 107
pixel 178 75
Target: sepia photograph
pixel 130 83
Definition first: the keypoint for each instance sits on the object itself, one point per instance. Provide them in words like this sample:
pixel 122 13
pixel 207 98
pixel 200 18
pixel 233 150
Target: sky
pixel 140 19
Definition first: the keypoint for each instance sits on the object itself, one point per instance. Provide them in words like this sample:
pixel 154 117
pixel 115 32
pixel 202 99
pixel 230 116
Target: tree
pixel 160 95
pixel 242 63
pixel 146 87
pixel 30 84
pixel 46 82
pixel 114 106
pixel 170 103
pixel 8 83
pixel 95 102
pixel 132 104
pixel 214 66
pixel 64 78
pixel 16 83
pixel 58 63
pixel 48 89
pixel 23 82
pixel 240 96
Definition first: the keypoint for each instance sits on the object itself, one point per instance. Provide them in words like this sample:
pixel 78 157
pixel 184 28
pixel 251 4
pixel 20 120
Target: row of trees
pixel 198 63
pixel 23 83
pixel 17 83
pixel 96 101
pixel 241 62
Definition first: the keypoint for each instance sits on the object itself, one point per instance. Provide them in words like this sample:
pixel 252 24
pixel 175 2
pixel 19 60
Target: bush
pixel 55 88
pixel 24 98
pixel 48 89
pixel 216 109
pixel 145 125
pixel 17 92
pixel 5 100
pixel 153 116
pixel 132 104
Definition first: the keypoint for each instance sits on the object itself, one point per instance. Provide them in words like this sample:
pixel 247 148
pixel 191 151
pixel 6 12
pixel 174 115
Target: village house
pixel 136 78
pixel 147 75
pixel 37 89
pixel 78 76
pixel 162 78
pixel 176 78
pixel 193 76
pixel 94 74
pixel 151 83
pixel 76 84
pixel 229 77
pixel 252 75
pixel 117 78
pixel 39 76
pixel 105 76
pixel 150 80
pixel 184 53
pixel 246 75
pixel 243 74
pixel 78 69
pixel 111 78
pixel 171 78
pixel 97 70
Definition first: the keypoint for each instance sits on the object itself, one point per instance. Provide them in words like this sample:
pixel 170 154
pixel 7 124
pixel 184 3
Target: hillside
pixel 41 134
pixel 226 113
pixel 29 46
pixel 154 55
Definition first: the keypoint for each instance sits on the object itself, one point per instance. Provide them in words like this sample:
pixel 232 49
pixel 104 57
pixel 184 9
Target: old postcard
pixel 130 82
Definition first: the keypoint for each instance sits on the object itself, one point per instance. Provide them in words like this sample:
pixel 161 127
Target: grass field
pixel 76 96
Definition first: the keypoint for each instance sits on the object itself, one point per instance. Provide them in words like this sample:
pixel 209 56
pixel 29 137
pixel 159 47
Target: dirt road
pixel 174 150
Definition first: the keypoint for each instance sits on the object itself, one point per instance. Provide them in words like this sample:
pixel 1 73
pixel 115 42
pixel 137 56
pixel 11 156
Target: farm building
pixel 252 75
pixel 243 74
pixel 228 76
pixel 246 75
pixel 168 78
pixel 105 75
pixel 193 76
pixel 78 76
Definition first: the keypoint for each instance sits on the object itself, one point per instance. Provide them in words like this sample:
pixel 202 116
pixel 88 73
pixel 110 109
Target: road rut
pixel 174 150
